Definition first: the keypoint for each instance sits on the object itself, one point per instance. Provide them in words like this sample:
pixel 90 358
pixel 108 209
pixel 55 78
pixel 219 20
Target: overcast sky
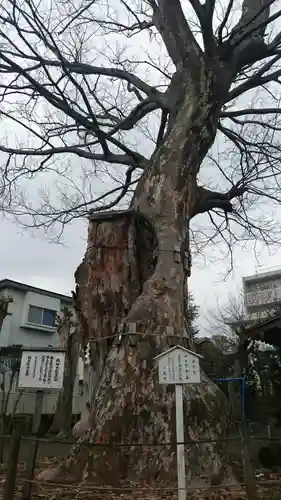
pixel 37 262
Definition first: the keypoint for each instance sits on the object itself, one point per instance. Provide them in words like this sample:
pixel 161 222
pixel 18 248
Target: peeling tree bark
pixel 69 333
pixel 110 279
pixel 132 286
pixel 128 405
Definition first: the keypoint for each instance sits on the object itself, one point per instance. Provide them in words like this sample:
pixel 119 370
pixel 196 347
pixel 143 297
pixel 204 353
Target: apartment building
pixel 262 291
pixel 32 314
pixel 31 323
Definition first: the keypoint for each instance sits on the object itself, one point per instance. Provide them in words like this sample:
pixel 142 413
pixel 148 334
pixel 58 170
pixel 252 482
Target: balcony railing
pixel 259 298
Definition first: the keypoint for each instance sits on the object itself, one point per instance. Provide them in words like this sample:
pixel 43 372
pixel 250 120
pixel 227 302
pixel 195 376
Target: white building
pixel 262 291
pixel 31 323
pixel 31 318
pixel 261 299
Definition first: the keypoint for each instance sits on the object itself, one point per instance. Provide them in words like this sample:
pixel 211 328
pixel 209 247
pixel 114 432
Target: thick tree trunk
pixel 130 294
pixel 69 333
pixel 129 406
pixel 119 259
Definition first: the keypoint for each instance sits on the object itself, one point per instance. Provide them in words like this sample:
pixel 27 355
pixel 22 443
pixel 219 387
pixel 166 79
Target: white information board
pixel 41 370
pixel 178 366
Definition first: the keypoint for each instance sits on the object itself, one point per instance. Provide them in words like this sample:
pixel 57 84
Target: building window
pixel 41 316
pixel 264 286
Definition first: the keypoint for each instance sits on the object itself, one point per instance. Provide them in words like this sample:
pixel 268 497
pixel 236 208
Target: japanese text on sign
pixel 41 370
pixel 178 367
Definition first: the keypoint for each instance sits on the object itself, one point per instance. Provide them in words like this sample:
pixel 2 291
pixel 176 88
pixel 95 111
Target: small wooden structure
pixel 268 331
pixel 120 257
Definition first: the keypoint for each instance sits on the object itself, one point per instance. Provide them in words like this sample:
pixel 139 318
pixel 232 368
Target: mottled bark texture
pixel 127 328
pixel 69 335
pixel 132 283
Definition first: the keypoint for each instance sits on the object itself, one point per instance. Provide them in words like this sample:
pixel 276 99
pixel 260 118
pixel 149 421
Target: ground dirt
pixel 49 455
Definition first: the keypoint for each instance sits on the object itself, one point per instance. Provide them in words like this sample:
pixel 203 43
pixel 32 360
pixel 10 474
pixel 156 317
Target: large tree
pixel 196 130
pixel 69 335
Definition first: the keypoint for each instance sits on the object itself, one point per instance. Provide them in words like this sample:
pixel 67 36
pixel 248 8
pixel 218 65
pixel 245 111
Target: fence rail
pixel 104 489
pixel 53 440
pixel 29 481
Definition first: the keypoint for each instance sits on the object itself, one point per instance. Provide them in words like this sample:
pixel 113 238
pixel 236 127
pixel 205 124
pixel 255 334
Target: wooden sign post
pixel 42 370
pixel 179 366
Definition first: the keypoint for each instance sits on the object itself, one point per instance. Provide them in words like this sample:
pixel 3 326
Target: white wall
pixel 252 286
pixel 26 403
pixel 13 331
pixel 16 331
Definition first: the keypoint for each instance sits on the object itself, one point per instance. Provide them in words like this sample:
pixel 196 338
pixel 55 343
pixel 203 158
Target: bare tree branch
pixel 69 96
pixel 205 15
pixel 224 21
pixel 257 79
pixel 179 40
pixel 257 111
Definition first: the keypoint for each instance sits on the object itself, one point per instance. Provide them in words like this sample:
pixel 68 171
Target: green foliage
pixel 10 356
pixel 261 366
pixel 262 371
pixel 268 389
pixel 192 314
pixel 214 362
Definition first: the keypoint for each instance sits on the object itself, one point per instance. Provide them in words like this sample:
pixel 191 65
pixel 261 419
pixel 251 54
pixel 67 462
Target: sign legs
pixel 31 461
pixel 37 411
pixel 180 443
pixel 178 365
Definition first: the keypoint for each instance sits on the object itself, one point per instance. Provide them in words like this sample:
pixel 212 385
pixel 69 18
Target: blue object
pixel 228 379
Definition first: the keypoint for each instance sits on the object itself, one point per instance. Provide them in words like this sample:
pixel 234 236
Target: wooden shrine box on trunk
pixel 120 257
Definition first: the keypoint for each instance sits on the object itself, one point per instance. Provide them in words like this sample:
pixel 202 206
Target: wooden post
pixel 249 472
pixel 37 411
pixel 248 468
pixel 179 366
pixel 180 443
pixel 31 462
pixel 10 482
